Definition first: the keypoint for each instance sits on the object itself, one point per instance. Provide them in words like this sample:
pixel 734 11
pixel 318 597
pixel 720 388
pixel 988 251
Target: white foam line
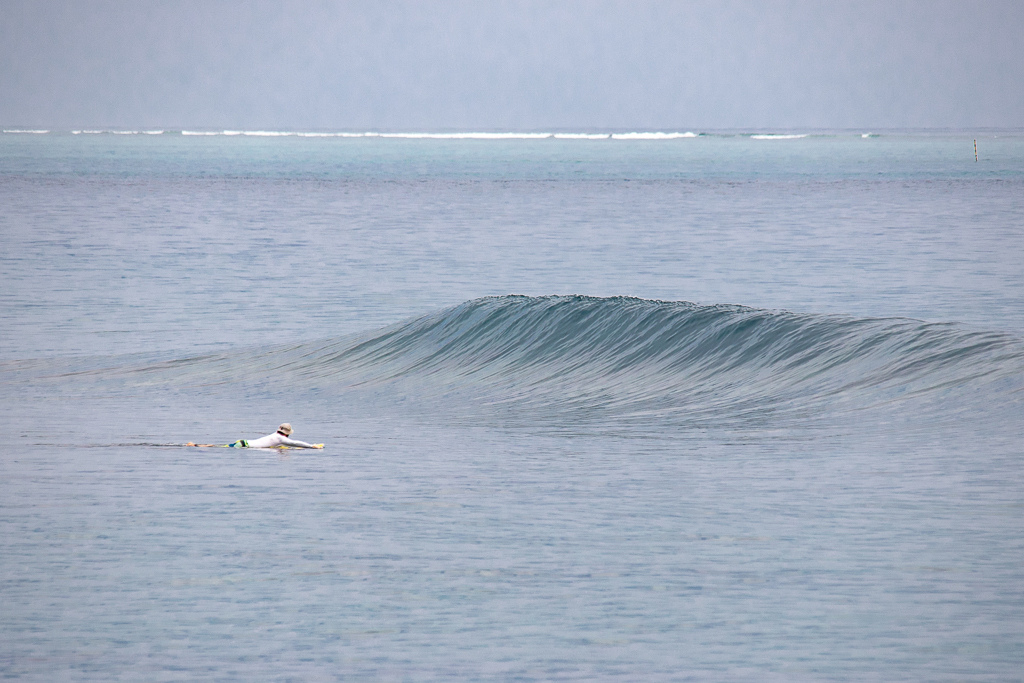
pixel 467 136
pixel 652 136
pixel 25 131
pixel 274 134
pixel 777 136
pixel 452 136
pixel 335 135
pixel 117 132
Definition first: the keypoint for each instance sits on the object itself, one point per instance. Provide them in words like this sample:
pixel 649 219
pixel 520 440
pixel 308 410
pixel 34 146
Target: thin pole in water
pixel 975 149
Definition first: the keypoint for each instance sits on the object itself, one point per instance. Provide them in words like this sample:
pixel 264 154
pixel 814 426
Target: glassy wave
pixel 570 358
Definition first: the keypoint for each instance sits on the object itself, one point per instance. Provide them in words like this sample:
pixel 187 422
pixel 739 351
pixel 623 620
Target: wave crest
pixel 623 356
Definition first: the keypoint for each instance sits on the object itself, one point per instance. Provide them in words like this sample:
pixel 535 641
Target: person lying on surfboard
pixel 275 440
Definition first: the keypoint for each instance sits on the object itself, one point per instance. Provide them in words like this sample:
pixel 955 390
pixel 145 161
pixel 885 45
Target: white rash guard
pixel 278 439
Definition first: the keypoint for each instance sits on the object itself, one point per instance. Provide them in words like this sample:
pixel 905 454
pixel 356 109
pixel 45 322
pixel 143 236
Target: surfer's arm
pixel 292 443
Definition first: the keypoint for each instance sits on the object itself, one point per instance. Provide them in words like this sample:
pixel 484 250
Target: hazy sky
pixel 485 65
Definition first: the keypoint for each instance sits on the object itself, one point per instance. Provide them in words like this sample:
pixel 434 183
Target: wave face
pixel 570 358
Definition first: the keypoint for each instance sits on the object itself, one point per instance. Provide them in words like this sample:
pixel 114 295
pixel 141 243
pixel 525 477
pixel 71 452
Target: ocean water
pixel 734 406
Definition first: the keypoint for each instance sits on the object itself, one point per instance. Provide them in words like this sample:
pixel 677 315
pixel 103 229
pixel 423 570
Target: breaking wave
pixel 454 136
pixel 778 136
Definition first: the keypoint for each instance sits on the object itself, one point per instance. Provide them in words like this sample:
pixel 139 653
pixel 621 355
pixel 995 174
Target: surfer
pixel 275 440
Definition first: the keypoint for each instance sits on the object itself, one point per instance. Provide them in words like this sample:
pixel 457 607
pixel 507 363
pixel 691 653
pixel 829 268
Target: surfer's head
pixel 285 429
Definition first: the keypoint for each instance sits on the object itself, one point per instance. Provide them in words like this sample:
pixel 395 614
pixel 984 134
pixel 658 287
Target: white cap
pixel 285 428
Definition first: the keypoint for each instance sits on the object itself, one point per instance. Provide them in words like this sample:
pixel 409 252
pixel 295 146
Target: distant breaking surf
pixel 778 136
pixel 465 135
pixel 458 136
